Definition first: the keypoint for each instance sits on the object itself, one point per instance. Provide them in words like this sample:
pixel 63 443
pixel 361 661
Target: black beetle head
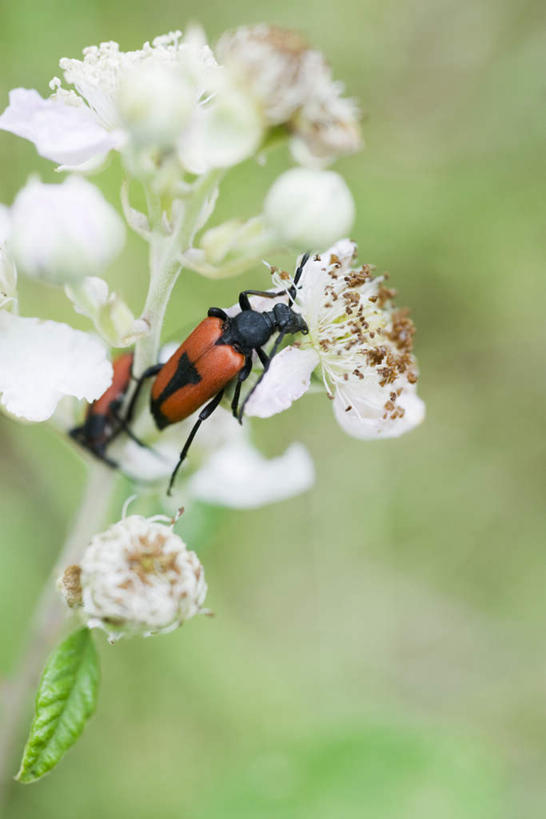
pixel 288 321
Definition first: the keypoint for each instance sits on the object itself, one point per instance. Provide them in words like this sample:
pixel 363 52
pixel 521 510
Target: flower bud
pixel 235 240
pixel 136 578
pixel 155 102
pixel 111 316
pixel 62 233
pixel 309 208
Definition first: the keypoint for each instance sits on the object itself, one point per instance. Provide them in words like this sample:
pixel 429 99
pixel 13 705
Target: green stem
pixel 165 266
pixel 49 618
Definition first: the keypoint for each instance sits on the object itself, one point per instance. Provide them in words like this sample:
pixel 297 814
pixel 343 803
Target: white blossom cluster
pixel 178 114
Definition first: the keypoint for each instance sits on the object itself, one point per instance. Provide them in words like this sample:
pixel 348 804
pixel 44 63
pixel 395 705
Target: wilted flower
pixel 361 342
pixel 309 208
pixel 292 85
pixel 42 361
pixel 136 578
pixel 63 233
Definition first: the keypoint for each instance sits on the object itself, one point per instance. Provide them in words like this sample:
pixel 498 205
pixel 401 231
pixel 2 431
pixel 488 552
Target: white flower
pixel 281 392
pixel 42 361
pixel 223 467
pixel 239 476
pixel 309 208
pixel 225 128
pixel 63 233
pixel 362 343
pixel 4 224
pixel 98 76
pixel 170 93
pixel 62 128
pixel 155 102
pixel 8 272
pixel 136 578
pixel 292 85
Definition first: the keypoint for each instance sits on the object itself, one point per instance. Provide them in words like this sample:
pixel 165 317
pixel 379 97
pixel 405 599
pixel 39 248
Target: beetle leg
pixel 262 355
pixel 123 426
pixel 268 294
pixel 203 415
pixel 217 312
pixel 243 375
pixel 244 303
pixel 151 371
pixel 267 364
pixel 102 456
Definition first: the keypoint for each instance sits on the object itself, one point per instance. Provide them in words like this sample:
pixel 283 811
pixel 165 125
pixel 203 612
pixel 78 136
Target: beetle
pixel 218 351
pixel 103 421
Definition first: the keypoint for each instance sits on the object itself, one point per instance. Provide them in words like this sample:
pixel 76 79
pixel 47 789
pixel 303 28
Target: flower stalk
pixel 165 251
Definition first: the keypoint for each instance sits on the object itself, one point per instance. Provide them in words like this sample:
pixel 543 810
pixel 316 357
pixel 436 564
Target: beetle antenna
pixel 297 276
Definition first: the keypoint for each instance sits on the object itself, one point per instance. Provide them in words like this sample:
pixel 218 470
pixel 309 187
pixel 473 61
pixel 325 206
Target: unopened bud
pixel 62 233
pixel 111 316
pixel 309 208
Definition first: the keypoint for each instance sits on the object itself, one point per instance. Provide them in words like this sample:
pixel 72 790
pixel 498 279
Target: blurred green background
pixel 378 645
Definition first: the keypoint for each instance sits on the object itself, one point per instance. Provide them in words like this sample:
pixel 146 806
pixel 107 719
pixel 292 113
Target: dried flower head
pixel 136 578
pixel 293 85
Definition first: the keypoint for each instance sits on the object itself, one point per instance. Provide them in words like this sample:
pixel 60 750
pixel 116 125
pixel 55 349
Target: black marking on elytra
pixel 185 373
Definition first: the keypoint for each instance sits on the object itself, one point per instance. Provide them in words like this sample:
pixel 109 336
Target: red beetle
pixel 219 350
pixel 102 420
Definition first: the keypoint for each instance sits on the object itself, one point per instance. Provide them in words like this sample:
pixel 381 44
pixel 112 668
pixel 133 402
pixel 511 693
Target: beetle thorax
pixel 251 329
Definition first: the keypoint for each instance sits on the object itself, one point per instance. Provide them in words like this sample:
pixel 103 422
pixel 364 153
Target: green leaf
pixel 66 698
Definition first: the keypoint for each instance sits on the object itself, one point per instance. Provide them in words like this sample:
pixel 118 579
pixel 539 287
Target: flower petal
pixel 65 133
pixel 111 316
pixel 8 273
pixel 240 477
pixel 41 361
pixel 367 417
pixel 4 223
pixel 286 380
pixel 222 133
